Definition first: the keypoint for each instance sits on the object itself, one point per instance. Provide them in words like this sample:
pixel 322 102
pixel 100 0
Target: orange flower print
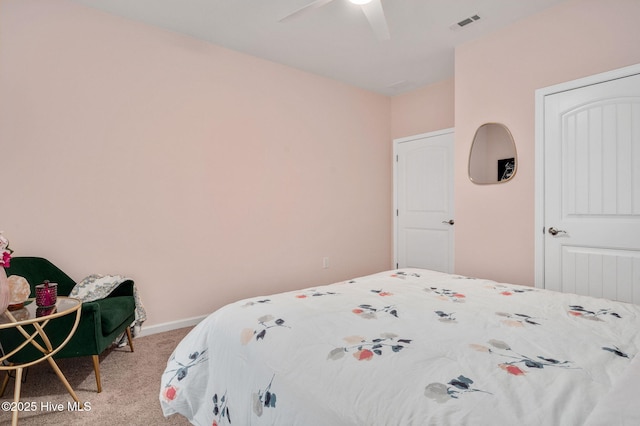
pixel 480 348
pixel 446 294
pixel 367 311
pixel 516 319
pixel 265 322
pixel 246 335
pixel 170 393
pixel 509 291
pixel 353 340
pixel 512 369
pixel 301 296
pixel 594 315
pixel 404 275
pixel 364 350
pixel 363 355
pixel 181 372
pixel 530 364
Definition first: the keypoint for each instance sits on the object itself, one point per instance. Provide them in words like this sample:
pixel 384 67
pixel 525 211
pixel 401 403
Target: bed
pixel 410 347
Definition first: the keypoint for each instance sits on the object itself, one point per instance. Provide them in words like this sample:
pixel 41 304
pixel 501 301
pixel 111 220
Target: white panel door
pixel 592 190
pixel 424 201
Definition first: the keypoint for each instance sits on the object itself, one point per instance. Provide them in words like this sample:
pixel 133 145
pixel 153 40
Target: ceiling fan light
pixel 360 2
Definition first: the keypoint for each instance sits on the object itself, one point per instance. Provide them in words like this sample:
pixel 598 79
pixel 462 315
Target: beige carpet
pixel 130 387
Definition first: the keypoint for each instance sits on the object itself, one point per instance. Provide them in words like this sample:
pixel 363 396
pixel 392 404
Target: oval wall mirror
pixel 493 157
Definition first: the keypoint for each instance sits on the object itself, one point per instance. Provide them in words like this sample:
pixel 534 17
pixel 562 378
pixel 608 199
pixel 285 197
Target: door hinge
pixel 397 214
pixel 396 158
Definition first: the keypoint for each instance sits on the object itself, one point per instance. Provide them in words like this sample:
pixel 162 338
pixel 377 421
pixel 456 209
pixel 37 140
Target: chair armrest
pixel 91 315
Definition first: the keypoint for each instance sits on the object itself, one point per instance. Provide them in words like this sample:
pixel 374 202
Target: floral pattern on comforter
pixel 406 347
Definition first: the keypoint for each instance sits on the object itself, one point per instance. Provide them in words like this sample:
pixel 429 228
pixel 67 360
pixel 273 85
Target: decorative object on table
pixel 21 314
pixel 43 311
pixel 19 291
pixel 5 258
pixel 46 294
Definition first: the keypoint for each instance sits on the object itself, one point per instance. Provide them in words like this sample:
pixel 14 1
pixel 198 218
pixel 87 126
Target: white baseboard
pixel 168 326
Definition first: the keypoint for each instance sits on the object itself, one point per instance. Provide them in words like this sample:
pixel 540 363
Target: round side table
pixel 38 317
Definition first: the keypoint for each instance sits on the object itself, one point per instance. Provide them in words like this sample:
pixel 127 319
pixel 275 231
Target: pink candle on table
pixel 46 294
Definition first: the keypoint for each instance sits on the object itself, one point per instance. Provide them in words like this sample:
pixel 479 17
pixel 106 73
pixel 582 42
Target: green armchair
pixel 101 321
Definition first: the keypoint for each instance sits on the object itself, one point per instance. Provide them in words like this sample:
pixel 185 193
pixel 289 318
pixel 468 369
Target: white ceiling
pixel 336 40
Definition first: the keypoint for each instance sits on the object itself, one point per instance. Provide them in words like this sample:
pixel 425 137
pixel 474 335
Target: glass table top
pixel 31 313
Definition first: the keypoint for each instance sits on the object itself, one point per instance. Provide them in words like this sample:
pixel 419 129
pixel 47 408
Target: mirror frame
pixel 515 155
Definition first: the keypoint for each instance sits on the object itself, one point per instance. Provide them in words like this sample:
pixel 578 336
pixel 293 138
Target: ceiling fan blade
pixel 375 15
pixel 313 5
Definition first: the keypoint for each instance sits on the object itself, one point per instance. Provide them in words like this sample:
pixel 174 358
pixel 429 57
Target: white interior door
pixel 592 190
pixel 424 201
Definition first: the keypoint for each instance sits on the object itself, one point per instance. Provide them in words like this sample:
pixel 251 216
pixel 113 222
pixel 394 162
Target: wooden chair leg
pixel 96 369
pixel 129 338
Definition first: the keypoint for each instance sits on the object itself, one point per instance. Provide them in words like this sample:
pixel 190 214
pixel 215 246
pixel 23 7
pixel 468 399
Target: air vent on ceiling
pixel 401 85
pixel 466 21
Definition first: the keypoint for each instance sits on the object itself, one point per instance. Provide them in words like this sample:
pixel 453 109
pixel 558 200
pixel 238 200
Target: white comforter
pixel 407 347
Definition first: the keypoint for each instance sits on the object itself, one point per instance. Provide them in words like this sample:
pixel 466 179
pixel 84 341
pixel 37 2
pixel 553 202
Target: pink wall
pixel 204 174
pixel 496 78
pixel 213 175
pixel 424 110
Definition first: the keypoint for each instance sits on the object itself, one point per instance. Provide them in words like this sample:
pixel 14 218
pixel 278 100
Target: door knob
pixel 553 231
pixel 448 222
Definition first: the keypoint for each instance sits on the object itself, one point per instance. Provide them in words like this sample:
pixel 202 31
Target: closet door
pixel 592 190
pixel 424 224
